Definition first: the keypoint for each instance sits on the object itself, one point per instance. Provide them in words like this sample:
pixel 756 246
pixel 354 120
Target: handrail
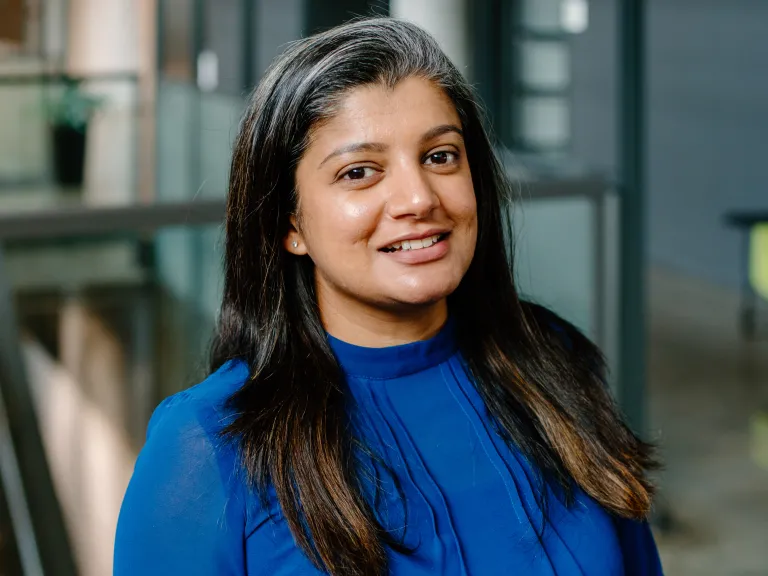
pixel 48 77
pixel 13 487
pixel 90 220
pixel 37 518
pixel 746 218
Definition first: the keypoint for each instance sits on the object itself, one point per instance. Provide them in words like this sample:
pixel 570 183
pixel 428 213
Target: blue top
pixel 471 505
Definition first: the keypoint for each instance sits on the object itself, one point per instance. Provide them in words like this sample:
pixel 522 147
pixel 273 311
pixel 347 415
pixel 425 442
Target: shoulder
pixel 186 436
pixel 185 451
pixel 203 406
pixel 186 506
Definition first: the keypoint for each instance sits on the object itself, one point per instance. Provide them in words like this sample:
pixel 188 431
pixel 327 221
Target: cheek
pixel 469 209
pixel 462 207
pixel 341 223
pixel 356 219
pixel 463 211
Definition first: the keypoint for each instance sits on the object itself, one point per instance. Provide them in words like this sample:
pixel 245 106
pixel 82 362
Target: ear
pixel 293 241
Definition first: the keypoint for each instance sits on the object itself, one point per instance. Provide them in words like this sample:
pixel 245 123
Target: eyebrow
pixel 430 134
pixel 356 147
pixel 440 130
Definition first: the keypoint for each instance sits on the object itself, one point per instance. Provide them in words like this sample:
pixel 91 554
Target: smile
pixel 409 245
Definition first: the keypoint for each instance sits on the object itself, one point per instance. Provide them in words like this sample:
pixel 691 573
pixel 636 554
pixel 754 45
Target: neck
pixel 377 327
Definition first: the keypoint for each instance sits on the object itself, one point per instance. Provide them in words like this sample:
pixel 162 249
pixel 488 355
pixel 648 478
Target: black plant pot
pixel 69 155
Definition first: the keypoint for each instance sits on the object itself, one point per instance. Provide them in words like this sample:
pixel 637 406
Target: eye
pixel 442 157
pixel 359 173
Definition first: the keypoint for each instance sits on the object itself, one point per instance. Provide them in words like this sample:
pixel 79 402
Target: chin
pixel 422 295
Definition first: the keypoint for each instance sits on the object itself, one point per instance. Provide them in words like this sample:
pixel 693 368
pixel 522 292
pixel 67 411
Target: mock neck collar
pixel 395 361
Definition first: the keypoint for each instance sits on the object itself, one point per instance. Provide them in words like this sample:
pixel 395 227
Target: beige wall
pixel 105 37
pixel 446 20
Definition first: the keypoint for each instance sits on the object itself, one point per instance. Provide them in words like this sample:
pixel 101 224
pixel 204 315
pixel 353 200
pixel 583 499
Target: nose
pixel 411 193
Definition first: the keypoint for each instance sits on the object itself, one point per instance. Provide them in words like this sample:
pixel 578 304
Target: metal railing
pixel 35 513
pixel 36 517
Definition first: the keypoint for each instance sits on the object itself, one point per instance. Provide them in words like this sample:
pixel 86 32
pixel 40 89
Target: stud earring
pixel 295 244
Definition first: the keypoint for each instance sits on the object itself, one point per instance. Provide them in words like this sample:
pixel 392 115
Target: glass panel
pixel 219 123
pixel 24 134
pixel 567 259
pixel 197 119
pixel 544 65
pixel 556 256
pixel 195 131
pixel 540 15
pixel 176 135
pixel 543 122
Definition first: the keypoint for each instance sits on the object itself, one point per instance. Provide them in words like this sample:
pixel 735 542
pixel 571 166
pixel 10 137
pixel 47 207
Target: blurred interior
pixel 635 134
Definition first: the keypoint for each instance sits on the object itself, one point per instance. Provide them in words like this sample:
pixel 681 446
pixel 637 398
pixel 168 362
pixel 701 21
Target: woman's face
pixel 386 206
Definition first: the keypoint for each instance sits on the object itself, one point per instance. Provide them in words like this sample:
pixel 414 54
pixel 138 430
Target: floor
pixel 708 391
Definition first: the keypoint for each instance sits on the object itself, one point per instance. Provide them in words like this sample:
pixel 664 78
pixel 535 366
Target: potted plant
pixel 69 116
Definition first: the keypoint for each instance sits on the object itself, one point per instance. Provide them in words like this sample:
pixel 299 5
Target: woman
pixel 381 401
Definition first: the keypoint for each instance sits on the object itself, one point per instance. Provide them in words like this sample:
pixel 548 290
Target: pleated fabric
pixel 470 503
pixel 442 482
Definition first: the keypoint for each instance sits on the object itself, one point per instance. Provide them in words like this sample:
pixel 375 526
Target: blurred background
pixel 635 131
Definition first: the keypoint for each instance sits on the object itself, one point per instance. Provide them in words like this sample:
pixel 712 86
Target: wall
pixel 707 89
pixel 103 38
pixel 594 89
pixel 446 20
pixel 277 22
pixel 707 95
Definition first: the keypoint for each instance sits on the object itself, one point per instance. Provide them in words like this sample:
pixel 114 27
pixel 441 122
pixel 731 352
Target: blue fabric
pixel 471 502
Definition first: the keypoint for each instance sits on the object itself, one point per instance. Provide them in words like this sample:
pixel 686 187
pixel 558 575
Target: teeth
pixel 413 244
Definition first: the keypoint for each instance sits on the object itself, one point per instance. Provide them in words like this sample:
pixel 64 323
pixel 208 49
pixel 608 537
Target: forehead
pixel 377 112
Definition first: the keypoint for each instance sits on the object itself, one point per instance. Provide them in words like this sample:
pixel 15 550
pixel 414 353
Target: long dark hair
pixel 540 378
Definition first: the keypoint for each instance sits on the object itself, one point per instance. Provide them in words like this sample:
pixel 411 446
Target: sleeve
pixel 641 558
pixel 182 513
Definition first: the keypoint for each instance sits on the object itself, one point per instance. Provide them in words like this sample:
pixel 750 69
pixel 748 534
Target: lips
pixel 415 243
